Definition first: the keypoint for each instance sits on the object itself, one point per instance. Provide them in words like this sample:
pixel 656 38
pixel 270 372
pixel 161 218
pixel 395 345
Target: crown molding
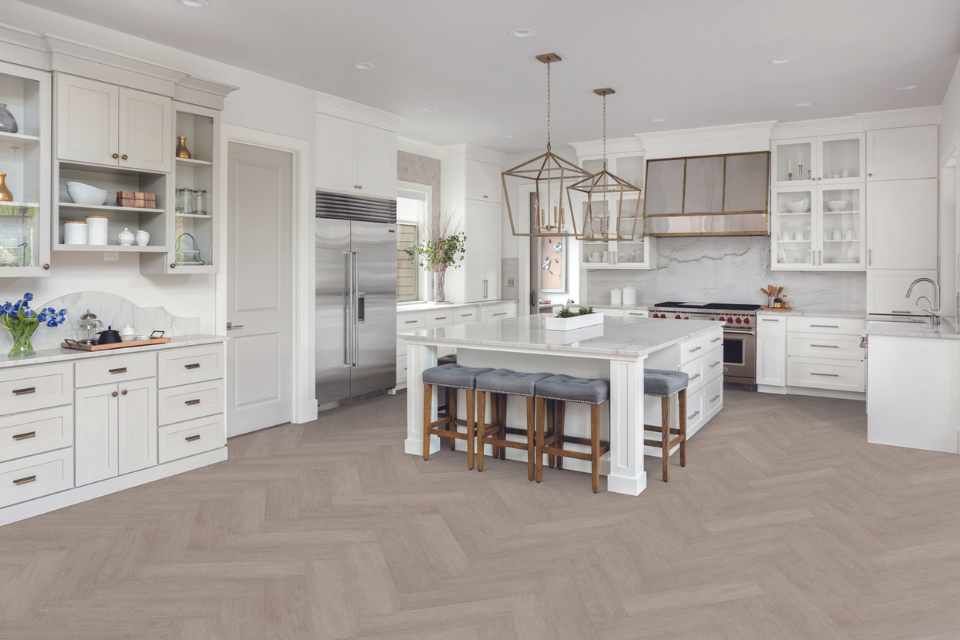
pixel 331 105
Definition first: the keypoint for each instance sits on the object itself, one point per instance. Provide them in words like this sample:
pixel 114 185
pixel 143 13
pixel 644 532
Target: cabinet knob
pixel 869 175
pixel 123 157
pixel 46 266
pixel 124 392
pixel 115 156
pixel 114 394
pixel 173 265
pixel 485 196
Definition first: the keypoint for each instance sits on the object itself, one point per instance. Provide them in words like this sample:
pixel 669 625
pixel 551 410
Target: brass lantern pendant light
pixel 604 191
pixel 551 175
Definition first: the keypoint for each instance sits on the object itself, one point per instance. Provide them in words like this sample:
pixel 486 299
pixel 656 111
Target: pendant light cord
pixel 548 106
pixel 603 129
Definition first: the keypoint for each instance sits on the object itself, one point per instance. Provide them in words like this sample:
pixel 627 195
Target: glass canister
pixel 200 202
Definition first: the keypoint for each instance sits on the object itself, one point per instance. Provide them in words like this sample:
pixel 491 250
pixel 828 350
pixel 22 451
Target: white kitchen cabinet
pixel 771 350
pixel 101 123
pixel 902 153
pixel 137 424
pixel 902 233
pixel 483 181
pixel 821 160
pixel 826 353
pixel 355 158
pixel 97 430
pixel 887 288
pixel 480 274
pixel 818 228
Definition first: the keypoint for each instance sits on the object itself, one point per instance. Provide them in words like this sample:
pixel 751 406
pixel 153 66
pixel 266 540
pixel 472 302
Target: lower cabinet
pixel 116 429
pixel 771 351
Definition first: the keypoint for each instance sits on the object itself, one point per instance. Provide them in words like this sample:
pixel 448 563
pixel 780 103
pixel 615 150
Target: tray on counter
pixel 84 346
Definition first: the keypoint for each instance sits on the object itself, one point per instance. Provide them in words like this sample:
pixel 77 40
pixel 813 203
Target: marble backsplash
pixel 728 270
pixel 112 310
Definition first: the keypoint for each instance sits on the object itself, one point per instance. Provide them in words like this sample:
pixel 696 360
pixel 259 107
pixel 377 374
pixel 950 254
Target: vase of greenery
pixel 444 252
pixel 22 322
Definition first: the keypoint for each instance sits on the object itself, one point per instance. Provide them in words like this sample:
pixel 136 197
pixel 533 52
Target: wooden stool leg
pixel 561 422
pixel 471 410
pixel 452 415
pixel 494 421
pixel 481 427
pixel 531 447
pixel 665 437
pixel 541 419
pixel 552 423
pixel 683 427
pixel 502 430
pixel 595 446
pixel 427 399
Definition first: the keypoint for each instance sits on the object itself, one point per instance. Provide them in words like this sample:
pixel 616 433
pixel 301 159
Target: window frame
pixel 424 193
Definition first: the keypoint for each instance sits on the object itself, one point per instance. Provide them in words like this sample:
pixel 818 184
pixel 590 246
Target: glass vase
pixel 22 341
pixel 439 295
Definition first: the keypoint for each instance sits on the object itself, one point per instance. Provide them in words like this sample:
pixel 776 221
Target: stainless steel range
pixel 739 333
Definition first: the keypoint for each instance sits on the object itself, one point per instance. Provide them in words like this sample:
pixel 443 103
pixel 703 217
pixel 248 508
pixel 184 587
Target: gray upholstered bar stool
pixel 451 377
pixel 665 384
pixel 562 389
pixel 499 384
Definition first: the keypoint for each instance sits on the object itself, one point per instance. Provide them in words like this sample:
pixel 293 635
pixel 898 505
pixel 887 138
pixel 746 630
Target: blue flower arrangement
pixel 22 322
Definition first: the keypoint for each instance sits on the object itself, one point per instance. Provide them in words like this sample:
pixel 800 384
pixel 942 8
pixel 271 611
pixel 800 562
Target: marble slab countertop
pixel 439 306
pixel 47 356
pixel 946 331
pixel 615 339
pixel 854 314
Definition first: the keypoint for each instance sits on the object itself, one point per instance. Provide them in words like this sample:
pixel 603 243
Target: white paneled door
pixel 259 281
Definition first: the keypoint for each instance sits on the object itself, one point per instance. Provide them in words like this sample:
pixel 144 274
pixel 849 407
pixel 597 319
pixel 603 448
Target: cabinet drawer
pixel 36 476
pixel 498 311
pixel 438 319
pixel 713 397
pixel 406 321
pixel 129 366
pixel 636 313
pixel 713 364
pixel 190 364
pixel 189 438
pixel 694 369
pixel 771 325
pixel 827 347
pixel 836 375
pixel 700 345
pixel 836 326
pixel 469 314
pixel 695 410
pixel 177 404
pixel 36 387
pixel 27 434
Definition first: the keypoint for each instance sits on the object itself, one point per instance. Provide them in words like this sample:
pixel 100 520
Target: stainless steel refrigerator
pixel 356 253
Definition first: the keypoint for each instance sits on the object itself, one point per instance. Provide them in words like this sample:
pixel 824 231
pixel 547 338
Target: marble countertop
pixel 636 307
pixel 615 339
pixel 47 356
pixel 439 306
pixel 946 331
pixel 856 314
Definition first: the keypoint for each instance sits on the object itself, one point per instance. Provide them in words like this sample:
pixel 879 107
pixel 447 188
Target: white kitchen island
pixel 617 350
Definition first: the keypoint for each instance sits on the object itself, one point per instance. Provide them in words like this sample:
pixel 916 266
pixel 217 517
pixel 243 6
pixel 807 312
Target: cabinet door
pixel 793 162
pixel 772 351
pixel 95 442
pixel 793 235
pixel 902 224
pixel 483 181
pixel 841 228
pixel 87 120
pixel 335 165
pixel 137 419
pixel 145 141
pixel 376 158
pixel 906 152
pixel 841 158
pixel 482 262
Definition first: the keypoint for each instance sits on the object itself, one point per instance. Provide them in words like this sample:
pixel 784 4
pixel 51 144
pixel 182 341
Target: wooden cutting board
pixel 79 346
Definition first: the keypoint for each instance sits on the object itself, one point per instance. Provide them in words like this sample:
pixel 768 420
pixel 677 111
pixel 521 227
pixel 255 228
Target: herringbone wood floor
pixel 785 524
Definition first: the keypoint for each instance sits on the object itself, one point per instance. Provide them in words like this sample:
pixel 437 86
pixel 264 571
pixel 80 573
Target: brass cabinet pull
pixel 25 436
pixel 190 403
pixel 192 365
pixel 25 480
pixel 25 391
pixel 192 438
pixel 118 370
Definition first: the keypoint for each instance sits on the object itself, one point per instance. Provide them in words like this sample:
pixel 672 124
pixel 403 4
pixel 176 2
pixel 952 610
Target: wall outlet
pixel 111 256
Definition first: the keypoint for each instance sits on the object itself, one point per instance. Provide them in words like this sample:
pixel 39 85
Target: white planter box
pixel 576 322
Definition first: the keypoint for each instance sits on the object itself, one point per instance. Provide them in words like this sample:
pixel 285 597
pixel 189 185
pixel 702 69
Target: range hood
pixel 718 195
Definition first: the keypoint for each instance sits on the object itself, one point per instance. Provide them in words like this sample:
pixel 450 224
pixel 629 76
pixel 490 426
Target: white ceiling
pixel 454 70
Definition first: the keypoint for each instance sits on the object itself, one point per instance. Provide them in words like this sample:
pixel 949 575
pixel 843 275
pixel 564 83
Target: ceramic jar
pixel 143 237
pixel 74 232
pixel 97 227
pixel 126 237
pixel 8 124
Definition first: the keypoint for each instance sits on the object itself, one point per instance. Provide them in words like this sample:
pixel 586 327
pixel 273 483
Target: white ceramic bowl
pixel 799 206
pixel 838 205
pixel 86 194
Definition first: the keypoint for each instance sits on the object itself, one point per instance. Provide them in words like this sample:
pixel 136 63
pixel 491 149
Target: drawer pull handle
pixel 715 398
pixel 770 319
pixel 190 403
pixel 715 364
pixel 192 438
pixel 716 340
pixel 192 365
pixel 694 377
pixel 25 436
pixel 25 480
pixel 466 315
pixel 693 415
pixel 25 391
pixel 825 346
pixel 118 370
pixel 825 375
pixel 695 349
pixel 440 318
pixel 410 321
pixel 825 326
pixel 497 315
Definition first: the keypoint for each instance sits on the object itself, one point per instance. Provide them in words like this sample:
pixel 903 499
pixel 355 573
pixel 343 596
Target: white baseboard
pixel 46 504
pixel 813 393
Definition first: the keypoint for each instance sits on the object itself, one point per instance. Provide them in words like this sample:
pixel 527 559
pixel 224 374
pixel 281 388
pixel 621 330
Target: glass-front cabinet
pixel 820 160
pixel 25 170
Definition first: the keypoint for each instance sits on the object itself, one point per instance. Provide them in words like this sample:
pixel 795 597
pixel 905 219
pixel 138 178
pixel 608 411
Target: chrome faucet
pixel 933 308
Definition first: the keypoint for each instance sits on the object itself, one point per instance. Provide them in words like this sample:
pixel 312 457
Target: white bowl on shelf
pixel 798 206
pixel 838 205
pixel 82 193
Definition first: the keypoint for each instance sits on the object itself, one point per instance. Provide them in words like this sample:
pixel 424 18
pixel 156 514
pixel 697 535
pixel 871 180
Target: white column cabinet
pixel 903 153
pixel 903 224
pixel 771 350
pixel 97 431
pixel 376 161
pixel 137 424
pixel 481 264
pixel 334 166
pixel 144 125
pixel 355 158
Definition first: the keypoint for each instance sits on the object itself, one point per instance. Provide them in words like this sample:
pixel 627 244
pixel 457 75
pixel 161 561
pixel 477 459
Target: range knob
pixel 676 317
pixel 746 320
pixel 737 320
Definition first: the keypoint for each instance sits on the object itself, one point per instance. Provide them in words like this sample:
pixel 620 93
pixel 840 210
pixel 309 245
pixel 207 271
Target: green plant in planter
pixel 446 251
pixel 566 312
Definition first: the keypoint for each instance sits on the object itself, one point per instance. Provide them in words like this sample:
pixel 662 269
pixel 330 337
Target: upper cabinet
pixel 355 158
pixel 103 124
pixel 819 160
pixel 903 153
pixel 483 181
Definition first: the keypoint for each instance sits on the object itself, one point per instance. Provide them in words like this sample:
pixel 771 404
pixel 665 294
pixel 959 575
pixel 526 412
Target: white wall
pixel 950 126
pixel 260 103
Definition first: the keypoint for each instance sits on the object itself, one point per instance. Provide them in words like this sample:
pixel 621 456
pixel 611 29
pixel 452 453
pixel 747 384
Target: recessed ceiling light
pixel 658 119
pixel 907 87
pixel 194 4
pixel 524 32
pixel 365 66
pixel 804 104
pixel 780 61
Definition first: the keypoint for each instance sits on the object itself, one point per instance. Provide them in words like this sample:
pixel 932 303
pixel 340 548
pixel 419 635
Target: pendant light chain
pixel 603 100
pixel 548 106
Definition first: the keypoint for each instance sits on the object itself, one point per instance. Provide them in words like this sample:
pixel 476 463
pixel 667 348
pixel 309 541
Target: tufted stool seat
pixel 499 384
pixel 665 384
pixel 452 378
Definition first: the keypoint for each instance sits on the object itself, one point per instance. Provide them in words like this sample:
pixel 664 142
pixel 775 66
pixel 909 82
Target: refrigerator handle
pixel 356 308
pixel 347 306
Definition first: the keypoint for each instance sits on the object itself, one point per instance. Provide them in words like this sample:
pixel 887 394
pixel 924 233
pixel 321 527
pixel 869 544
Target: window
pixel 413 216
